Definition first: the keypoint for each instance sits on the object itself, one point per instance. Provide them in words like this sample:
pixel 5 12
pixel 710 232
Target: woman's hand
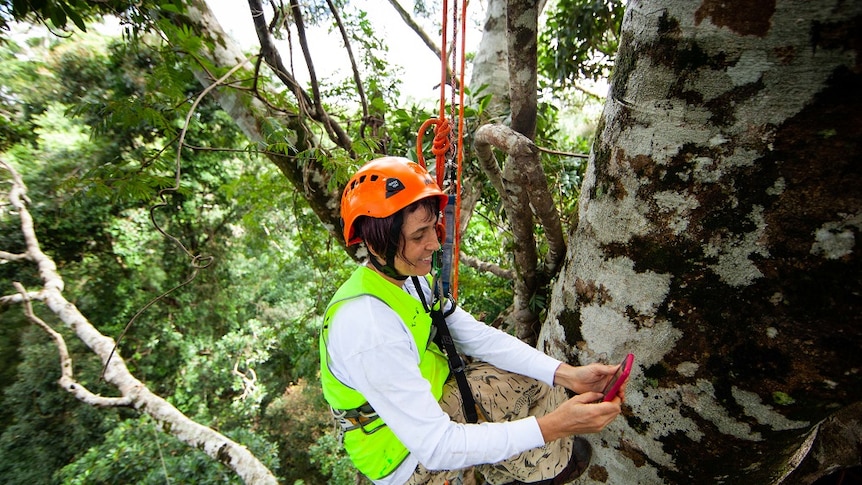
pixel 587 378
pixel 579 415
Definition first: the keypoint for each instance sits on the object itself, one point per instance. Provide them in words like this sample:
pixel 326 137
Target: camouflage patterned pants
pixel 504 396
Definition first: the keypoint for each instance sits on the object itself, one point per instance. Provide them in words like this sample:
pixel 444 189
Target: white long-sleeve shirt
pixel 373 352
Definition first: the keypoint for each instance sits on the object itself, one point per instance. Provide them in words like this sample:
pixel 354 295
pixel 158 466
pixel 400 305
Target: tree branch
pixel 523 186
pixel 310 106
pixel 408 19
pixel 363 101
pixel 516 204
pixel 67 380
pixel 492 268
pixel 255 119
pixel 133 392
pixel 5 256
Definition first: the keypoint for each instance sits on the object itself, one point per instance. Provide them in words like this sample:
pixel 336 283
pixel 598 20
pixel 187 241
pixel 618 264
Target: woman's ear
pixel 372 253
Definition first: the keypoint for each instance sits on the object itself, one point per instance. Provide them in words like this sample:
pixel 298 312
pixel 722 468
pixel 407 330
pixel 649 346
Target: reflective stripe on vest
pixel 374 449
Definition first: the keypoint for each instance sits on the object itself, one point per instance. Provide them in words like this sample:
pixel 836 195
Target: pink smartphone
pixel 610 391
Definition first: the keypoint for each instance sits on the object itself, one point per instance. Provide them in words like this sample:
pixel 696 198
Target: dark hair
pixel 384 234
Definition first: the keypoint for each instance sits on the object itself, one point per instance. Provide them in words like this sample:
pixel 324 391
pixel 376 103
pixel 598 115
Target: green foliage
pixel 580 39
pixel 220 347
pixel 48 426
pixel 137 451
pixel 782 399
pixel 301 414
pixel 484 295
pixel 57 14
pixel 329 455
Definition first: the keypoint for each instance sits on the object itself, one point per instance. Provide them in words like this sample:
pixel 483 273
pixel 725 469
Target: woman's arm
pixel 377 356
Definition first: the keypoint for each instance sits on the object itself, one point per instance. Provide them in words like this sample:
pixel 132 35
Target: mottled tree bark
pixel 718 241
pixel 490 65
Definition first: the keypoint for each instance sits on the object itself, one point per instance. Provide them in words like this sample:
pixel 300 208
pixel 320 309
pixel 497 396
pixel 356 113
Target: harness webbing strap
pixel 443 338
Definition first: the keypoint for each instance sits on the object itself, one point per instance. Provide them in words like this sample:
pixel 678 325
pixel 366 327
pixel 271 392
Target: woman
pixel 387 381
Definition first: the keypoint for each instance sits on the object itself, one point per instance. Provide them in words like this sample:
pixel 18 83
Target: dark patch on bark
pixel 633 453
pixel 598 473
pixel 614 185
pixel 668 25
pixel 570 320
pixel 680 54
pixel 814 297
pixel 740 16
pixel 624 65
pixel 723 107
pixel 721 201
pixel 589 293
pixel 223 454
pixel 601 161
pixel 838 36
pixel 721 456
pixel 757 362
pixel 669 255
pixel 642 165
pixel 657 371
pixel 640 320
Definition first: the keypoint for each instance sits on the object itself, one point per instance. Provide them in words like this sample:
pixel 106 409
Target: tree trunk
pixel 717 241
pixel 490 66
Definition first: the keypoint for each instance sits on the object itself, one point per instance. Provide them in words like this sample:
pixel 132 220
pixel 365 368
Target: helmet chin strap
pixel 388 269
pixel 394 235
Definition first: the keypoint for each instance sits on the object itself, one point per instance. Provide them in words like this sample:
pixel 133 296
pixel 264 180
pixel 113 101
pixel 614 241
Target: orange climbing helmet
pixel 381 188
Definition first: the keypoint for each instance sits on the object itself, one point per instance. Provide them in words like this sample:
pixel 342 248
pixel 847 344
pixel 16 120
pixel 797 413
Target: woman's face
pixel 419 233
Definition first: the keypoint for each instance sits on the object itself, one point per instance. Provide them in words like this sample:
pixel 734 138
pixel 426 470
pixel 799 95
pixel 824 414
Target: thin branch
pixel 248 378
pixel 356 78
pixel 562 153
pixel 424 37
pixel 306 53
pixel 5 256
pixel 211 442
pixel 485 266
pixel 306 103
pixel 198 261
pixel 67 380
pixel 408 19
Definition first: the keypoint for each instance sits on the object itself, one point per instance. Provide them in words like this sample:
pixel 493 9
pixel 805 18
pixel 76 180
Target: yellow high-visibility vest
pixel 374 449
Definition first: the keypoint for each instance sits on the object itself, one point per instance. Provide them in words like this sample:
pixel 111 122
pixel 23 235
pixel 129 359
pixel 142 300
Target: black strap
pixel 444 339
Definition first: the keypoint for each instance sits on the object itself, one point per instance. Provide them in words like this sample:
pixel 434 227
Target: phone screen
pixel 619 378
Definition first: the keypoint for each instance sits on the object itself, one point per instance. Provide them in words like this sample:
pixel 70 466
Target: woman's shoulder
pixel 367 320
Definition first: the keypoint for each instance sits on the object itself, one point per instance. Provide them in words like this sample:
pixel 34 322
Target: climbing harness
pixel 358 418
pixel 447 169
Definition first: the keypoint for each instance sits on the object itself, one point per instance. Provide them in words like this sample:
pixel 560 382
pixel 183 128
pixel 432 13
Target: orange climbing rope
pixel 441 147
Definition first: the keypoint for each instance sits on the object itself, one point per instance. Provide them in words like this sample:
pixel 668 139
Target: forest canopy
pixel 205 263
pixel 170 228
